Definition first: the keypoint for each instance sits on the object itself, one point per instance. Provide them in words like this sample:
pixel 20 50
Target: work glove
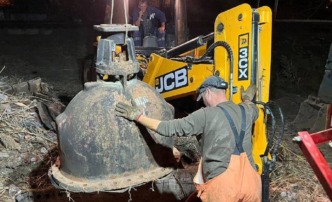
pixel 129 112
pixel 249 93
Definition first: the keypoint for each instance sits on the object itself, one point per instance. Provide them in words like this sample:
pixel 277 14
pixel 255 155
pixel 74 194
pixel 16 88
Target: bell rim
pixel 75 184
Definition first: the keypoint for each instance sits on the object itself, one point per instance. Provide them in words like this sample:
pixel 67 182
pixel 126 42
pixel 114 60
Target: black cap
pixel 211 82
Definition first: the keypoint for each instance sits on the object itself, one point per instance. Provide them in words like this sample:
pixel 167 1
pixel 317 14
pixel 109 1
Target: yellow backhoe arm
pixel 242 55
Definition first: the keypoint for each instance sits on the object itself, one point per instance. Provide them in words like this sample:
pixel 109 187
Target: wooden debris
pixel 35 85
pixel 9 142
pixel 55 109
pixel 22 87
pixel 25 143
pixel 45 116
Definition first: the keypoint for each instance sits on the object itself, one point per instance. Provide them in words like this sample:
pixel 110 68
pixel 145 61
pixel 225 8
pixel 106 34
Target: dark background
pixel 200 12
pixel 51 39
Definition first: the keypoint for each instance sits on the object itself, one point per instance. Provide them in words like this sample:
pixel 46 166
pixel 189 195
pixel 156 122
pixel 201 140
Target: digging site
pixel 66 66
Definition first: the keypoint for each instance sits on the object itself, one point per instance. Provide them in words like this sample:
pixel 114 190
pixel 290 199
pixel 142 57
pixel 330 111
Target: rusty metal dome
pixel 102 152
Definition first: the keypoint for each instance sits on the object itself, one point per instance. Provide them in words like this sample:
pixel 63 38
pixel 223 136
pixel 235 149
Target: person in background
pixel 226 171
pixel 151 22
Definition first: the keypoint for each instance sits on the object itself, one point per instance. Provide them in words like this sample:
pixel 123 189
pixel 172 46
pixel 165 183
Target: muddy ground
pixel 56 55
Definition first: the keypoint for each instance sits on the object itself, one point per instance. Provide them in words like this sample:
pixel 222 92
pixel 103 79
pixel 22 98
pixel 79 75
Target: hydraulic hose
pixel 268 165
pixel 207 53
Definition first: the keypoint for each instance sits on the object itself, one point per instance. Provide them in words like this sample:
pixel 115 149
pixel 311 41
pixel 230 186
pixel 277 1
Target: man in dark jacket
pixel 227 171
pixel 151 22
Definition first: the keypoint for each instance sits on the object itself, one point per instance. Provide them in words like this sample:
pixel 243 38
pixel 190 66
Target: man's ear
pixel 207 92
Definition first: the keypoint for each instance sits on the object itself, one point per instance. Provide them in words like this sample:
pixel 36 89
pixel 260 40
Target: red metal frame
pixel 308 145
pixel 329 116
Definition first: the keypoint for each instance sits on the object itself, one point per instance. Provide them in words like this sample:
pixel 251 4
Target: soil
pixel 56 54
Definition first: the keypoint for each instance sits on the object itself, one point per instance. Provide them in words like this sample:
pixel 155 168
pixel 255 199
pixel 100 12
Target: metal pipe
pixel 180 21
pixel 189 45
pixel 254 62
pixel 185 47
pixel 208 37
pixel 276 2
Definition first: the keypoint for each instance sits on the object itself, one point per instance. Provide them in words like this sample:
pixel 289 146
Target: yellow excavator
pixel 100 152
pixel 241 54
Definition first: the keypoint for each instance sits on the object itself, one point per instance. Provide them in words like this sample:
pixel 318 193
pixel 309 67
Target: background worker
pixel 229 172
pixel 151 22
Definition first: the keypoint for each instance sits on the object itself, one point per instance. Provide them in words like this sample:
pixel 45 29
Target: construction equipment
pixel 251 43
pixel 308 143
pixel 317 110
pixel 312 115
pixel 175 11
pixel 101 152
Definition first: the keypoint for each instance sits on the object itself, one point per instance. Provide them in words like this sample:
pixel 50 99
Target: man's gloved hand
pixel 129 112
pixel 249 93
